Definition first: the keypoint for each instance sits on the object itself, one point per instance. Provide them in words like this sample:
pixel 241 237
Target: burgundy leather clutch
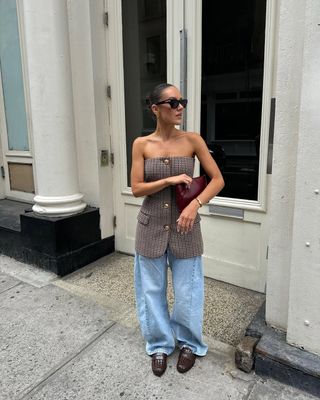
pixel 185 195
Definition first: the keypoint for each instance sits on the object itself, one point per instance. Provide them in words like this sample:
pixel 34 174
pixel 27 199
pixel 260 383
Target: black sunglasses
pixel 174 103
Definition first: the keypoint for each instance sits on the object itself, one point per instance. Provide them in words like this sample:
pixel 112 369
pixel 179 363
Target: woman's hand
pixel 183 178
pixel 187 217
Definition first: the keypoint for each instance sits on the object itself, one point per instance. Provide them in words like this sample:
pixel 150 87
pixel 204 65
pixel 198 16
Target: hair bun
pixel 155 96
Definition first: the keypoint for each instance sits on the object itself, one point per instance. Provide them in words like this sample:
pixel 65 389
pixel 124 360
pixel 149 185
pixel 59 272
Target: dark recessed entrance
pixel 233 36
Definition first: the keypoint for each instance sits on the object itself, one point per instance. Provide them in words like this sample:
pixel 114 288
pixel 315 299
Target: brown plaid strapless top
pixel 157 219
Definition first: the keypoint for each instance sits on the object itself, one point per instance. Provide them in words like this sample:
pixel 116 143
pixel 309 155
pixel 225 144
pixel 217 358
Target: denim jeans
pixel 159 329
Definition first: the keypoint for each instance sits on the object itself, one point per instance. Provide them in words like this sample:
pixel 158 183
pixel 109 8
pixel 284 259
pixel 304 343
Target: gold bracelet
pixel 199 201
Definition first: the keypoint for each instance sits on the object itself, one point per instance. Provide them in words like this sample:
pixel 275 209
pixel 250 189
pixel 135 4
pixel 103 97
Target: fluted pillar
pixel 53 128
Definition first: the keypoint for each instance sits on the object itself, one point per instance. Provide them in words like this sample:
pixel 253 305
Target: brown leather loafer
pixel 186 360
pixel 159 363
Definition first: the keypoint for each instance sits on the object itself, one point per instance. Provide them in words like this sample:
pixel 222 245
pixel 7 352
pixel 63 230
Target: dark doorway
pixel 233 36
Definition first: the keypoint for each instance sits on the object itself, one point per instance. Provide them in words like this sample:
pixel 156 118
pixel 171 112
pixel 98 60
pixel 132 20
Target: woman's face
pixel 165 112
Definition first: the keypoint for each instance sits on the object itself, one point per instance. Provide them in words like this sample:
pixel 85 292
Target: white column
pixel 53 130
pixel 288 63
pixel 304 296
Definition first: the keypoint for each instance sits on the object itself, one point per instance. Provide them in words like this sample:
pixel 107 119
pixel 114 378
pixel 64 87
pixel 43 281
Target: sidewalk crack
pixel 12 287
pixel 31 390
pixel 250 389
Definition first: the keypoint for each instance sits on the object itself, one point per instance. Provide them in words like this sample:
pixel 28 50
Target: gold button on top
pixel 166 227
pixel 166 161
pixel 166 205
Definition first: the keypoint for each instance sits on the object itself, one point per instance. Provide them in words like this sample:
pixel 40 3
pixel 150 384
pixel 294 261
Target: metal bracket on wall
pixel 104 158
pixel 106 19
pixel 271 135
pixel 108 90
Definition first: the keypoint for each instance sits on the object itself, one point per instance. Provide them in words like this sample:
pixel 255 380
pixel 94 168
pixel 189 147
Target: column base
pixel 62 244
pixel 72 261
pixel 59 205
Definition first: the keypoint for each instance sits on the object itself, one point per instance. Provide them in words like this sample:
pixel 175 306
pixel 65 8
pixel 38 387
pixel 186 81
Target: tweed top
pixel 157 219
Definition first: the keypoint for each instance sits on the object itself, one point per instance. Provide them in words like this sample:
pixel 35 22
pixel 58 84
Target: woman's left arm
pixel 216 184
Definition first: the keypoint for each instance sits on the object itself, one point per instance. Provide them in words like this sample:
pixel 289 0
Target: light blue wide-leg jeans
pixel 159 329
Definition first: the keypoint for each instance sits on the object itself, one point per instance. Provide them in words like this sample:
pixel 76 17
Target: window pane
pixel 145 63
pixel 12 84
pixel 233 34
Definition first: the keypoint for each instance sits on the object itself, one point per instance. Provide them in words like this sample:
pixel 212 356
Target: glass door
pixel 232 73
pixel 16 165
pixel 233 39
pixel 137 48
pixel 216 52
pixel 144 26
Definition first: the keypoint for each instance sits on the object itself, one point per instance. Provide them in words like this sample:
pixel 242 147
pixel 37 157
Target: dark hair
pixel 155 95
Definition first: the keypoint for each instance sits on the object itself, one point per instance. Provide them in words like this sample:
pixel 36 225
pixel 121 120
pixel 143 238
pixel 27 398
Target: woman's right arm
pixel 138 185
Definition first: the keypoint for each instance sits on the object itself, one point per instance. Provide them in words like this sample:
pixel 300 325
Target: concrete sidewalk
pixel 57 343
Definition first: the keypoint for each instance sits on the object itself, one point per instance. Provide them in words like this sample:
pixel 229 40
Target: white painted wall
pixel 89 76
pixel 102 112
pixel 289 56
pixel 304 298
pixel 83 95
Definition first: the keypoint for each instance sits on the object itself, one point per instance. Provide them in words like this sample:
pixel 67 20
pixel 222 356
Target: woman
pixel 165 236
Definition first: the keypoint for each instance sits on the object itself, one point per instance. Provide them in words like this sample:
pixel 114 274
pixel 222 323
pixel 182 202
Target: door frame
pixel 254 212
pixel 175 21
pixel 192 18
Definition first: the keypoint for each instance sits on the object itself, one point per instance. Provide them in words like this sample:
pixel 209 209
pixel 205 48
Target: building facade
pixel 74 77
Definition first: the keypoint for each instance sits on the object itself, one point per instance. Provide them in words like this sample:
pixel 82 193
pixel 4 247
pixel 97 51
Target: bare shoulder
pixel 138 147
pixel 140 142
pixel 143 140
pixel 195 139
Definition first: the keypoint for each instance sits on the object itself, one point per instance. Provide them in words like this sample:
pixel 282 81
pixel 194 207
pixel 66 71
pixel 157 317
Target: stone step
pixel 10 212
pixel 266 350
